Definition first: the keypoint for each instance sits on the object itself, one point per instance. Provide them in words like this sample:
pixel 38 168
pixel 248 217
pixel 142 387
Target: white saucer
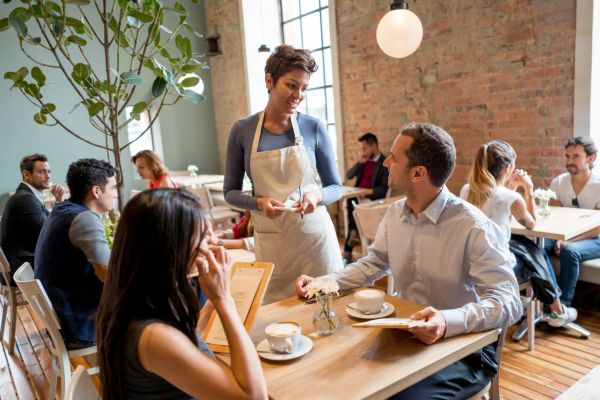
pixel 388 309
pixel 264 350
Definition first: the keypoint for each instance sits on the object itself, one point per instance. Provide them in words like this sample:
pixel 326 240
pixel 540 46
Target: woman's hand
pixel 214 266
pixel 520 178
pixel 266 204
pixel 308 203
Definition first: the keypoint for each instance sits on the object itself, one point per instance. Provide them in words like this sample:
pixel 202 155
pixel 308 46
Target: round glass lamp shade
pixel 399 33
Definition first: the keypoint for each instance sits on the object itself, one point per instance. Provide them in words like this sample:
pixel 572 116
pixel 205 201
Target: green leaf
pixel 187 47
pixel 19 26
pixel 38 11
pixel 74 22
pixel 189 28
pixel 123 41
pixel 4 24
pixel 190 82
pixel 192 68
pixel 50 107
pixel 39 76
pixel 80 72
pixel 79 41
pixel 157 39
pixel 131 78
pixel 22 13
pixel 39 118
pixel 78 2
pixel 143 17
pixel 137 109
pixel 192 96
pixel 11 76
pixel 34 90
pixel 159 86
pixel 179 43
pixel 22 73
pixel 58 27
pixel 51 7
pixel 113 25
pixel 95 108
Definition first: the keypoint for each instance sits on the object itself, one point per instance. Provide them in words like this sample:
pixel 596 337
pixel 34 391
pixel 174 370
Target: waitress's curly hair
pixel 286 58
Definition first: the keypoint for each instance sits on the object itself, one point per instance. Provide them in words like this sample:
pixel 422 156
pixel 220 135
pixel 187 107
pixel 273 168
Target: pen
pixel 301 212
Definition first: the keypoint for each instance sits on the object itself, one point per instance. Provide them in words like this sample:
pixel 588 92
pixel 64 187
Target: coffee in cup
pixel 283 337
pixel 369 300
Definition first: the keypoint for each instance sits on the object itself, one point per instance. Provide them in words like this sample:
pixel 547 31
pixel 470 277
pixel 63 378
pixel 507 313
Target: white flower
pixel 544 194
pixel 322 284
pixel 192 168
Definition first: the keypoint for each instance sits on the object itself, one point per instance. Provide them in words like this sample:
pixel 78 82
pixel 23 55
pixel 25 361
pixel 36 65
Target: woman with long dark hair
pixel 492 188
pixel 148 347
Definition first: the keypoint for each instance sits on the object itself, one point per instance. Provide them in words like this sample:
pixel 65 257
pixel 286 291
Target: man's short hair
pixel 432 148
pixel 28 162
pixel 587 144
pixel 85 173
pixel 368 137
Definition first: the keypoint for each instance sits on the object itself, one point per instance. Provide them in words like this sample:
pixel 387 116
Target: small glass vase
pixel 544 207
pixel 325 319
pixel 193 174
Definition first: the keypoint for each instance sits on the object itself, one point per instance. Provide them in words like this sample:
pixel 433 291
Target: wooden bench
pixel 584 389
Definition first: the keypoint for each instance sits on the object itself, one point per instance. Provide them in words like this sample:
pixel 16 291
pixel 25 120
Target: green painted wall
pixel 188 130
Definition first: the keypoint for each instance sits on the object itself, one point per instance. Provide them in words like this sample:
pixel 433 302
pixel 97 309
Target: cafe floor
pixel 558 361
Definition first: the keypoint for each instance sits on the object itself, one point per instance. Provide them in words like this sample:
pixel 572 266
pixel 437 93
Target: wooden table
pixel 356 363
pixel 563 223
pixel 198 181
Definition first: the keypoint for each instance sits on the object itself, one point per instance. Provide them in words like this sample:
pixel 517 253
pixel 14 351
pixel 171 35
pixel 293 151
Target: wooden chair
pixel 9 302
pixel 492 389
pixel 81 386
pixel 37 298
pixel 218 214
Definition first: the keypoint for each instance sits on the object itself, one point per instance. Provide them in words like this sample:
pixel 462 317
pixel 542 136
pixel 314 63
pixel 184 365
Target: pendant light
pixel 399 33
pixel 263 53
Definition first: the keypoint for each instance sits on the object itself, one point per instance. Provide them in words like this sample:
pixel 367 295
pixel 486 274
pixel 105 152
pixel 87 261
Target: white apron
pixel 294 245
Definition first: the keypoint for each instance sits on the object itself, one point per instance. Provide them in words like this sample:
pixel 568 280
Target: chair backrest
pixel 36 296
pixel 4 268
pixel 81 386
pixel 204 198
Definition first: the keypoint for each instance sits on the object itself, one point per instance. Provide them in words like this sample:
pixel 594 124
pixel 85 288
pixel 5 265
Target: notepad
pixel 391 323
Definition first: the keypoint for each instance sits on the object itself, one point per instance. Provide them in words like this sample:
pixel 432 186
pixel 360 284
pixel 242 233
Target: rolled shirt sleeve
pixel 87 234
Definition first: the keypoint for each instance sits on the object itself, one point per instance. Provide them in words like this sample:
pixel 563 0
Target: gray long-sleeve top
pixel 239 148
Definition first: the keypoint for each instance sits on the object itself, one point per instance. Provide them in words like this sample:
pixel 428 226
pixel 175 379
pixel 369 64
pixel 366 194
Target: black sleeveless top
pixel 140 383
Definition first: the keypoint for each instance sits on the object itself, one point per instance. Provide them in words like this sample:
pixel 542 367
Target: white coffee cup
pixel 284 336
pixel 369 300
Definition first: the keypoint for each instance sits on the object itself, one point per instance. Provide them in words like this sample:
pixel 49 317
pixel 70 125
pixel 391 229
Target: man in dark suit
pixel 25 212
pixel 371 174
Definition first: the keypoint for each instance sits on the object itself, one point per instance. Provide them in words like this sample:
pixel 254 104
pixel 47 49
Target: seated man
pixel 71 239
pixel 371 174
pixel 442 252
pixel 25 212
pixel 578 187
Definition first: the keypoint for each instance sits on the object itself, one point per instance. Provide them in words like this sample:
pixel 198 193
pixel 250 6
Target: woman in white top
pixel 492 187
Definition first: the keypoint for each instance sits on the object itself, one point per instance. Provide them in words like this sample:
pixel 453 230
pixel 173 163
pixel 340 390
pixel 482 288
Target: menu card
pixel 249 282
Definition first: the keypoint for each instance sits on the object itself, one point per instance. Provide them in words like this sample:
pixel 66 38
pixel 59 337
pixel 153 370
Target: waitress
pixel 284 153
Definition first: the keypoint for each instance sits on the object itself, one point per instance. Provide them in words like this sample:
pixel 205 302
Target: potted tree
pixel 142 44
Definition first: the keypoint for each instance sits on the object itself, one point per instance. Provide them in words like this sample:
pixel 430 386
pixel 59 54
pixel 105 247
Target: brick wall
pixel 485 70
pixel 227 71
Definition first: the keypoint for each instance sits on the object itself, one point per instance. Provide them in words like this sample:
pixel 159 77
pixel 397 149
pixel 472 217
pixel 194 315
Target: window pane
pixel 303 108
pixel 292 35
pixel 325 24
pixel 316 104
pixel 289 9
pixel 333 138
pixel 311 31
pixel 330 108
pixel 308 6
pixel 327 67
pixel 324 3
pixel 316 79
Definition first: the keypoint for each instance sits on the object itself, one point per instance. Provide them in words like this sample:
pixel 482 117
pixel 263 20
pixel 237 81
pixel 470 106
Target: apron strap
pixel 298 139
